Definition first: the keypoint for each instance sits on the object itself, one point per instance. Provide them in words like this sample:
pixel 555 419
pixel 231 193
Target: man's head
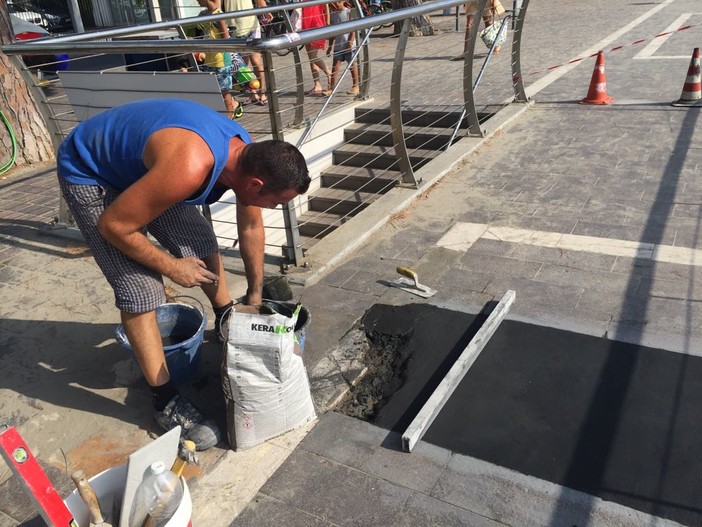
pixel 276 172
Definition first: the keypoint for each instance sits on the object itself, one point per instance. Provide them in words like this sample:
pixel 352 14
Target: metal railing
pixel 303 120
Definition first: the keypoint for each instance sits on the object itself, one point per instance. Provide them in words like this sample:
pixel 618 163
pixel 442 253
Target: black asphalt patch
pixel 611 419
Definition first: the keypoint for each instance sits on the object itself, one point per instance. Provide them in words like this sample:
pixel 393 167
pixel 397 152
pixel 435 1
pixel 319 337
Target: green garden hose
pixel 7 166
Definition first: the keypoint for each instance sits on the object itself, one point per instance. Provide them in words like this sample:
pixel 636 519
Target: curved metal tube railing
pixel 83 43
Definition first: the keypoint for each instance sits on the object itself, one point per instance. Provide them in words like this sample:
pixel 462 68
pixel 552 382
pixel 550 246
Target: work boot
pixel 203 432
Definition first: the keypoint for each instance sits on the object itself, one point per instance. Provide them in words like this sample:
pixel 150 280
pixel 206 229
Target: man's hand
pixel 191 271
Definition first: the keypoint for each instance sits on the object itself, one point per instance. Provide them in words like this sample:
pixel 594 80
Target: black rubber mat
pixel 615 420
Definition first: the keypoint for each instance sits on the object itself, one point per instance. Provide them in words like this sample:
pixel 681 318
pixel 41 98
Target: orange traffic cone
pixel 597 94
pixel 692 89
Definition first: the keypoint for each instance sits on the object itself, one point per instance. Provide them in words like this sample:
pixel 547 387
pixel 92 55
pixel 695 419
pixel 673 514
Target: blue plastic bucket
pixel 182 329
pixel 303 318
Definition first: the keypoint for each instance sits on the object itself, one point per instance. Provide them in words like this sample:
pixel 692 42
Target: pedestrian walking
pixel 315 16
pixel 343 46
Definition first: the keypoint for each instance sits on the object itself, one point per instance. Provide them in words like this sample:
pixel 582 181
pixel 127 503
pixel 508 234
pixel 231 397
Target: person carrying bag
pixel 493 35
pixel 493 9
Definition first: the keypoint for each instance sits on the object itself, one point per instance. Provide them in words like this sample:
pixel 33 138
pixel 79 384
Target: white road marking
pixel 552 77
pixel 462 236
pixel 656 43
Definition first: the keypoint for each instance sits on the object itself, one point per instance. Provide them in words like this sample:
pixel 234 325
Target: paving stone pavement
pixel 630 171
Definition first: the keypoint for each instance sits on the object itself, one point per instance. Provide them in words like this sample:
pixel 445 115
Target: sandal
pixel 237 113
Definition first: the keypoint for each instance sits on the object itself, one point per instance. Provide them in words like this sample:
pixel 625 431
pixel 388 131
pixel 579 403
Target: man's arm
pixel 252 239
pixel 179 162
pixel 223 29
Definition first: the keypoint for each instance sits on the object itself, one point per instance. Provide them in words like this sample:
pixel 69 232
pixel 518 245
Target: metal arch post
pixel 365 65
pixel 204 209
pixel 299 80
pixel 469 105
pixel 398 133
pixel 300 93
pixel 272 93
pixel 517 78
pixel 292 250
pixel 364 87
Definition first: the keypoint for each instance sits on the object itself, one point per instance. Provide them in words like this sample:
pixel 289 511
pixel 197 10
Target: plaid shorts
pixel 182 230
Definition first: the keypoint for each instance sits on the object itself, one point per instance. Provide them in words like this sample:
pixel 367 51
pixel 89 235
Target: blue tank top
pixel 109 147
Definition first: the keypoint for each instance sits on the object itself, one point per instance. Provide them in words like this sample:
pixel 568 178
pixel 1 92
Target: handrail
pixel 168 24
pixel 292 247
pixel 68 44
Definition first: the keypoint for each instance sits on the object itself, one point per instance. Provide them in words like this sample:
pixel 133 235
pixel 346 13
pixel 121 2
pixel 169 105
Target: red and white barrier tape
pixel 615 48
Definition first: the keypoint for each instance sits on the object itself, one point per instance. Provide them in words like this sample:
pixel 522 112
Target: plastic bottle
pixel 158 496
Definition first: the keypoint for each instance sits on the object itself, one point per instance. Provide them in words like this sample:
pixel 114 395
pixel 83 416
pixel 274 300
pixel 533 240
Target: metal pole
pixel 191 58
pixel 398 133
pixel 474 129
pixel 516 57
pixel 300 94
pixel 272 94
pixel 364 63
pixel 74 10
pixel 292 249
pixel 299 79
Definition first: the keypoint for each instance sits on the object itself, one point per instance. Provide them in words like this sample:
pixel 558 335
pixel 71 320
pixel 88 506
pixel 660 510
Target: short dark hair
pixel 278 164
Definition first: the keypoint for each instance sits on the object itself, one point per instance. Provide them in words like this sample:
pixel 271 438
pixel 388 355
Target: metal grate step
pixel 365 179
pixel 381 135
pixel 382 157
pixel 432 116
pixel 339 201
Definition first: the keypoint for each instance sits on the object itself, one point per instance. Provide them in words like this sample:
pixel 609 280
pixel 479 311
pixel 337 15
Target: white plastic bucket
pixel 110 483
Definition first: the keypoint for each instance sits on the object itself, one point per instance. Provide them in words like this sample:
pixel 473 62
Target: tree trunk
pixel 19 107
pixel 420 26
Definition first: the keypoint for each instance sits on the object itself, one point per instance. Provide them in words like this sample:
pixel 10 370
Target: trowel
pixel 410 283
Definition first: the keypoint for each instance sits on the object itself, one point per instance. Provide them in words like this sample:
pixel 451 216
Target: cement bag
pixel 265 383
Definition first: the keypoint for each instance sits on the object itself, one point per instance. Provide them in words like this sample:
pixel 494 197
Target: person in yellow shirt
pixel 249 27
pixel 218 62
